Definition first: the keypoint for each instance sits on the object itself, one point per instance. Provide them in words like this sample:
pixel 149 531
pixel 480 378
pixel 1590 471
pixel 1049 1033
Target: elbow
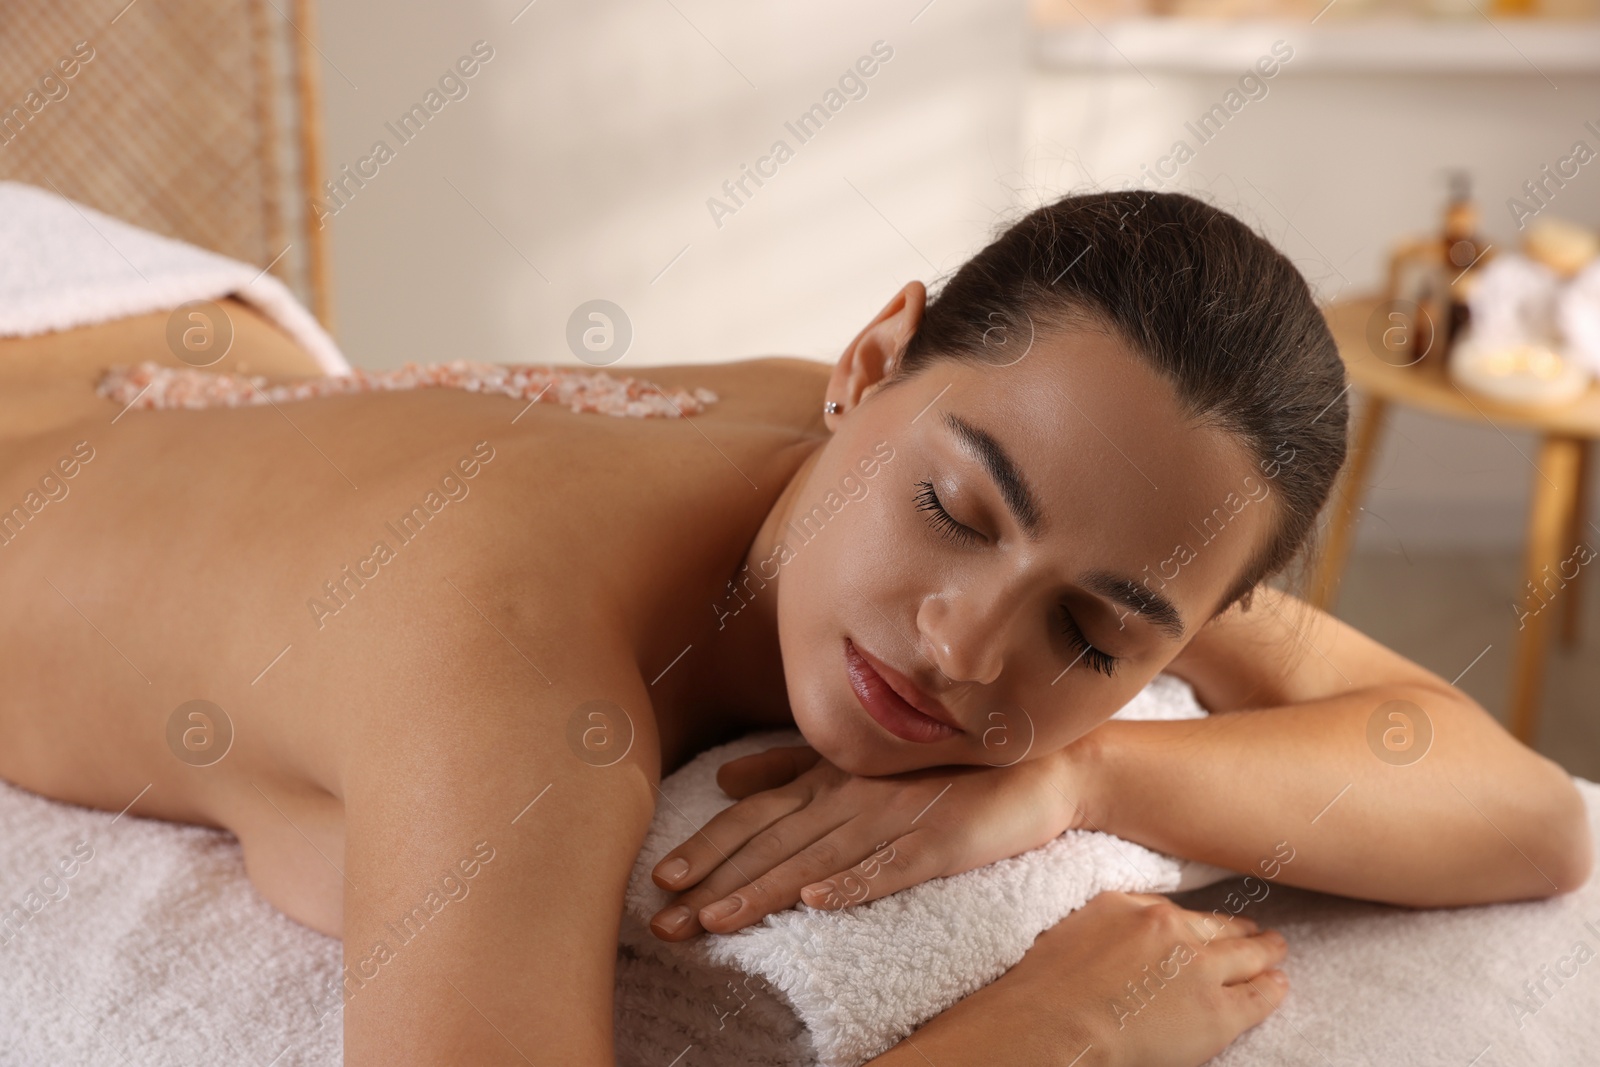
pixel 1568 861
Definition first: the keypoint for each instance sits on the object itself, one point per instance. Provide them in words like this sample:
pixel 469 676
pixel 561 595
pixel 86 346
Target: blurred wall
pixel 580 161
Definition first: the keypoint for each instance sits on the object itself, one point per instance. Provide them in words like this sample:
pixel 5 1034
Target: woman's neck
pixel 739 686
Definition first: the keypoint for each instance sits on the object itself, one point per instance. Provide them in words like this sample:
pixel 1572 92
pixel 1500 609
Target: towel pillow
pixel 831 988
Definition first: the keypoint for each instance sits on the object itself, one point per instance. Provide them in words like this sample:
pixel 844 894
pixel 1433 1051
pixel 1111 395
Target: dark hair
pixel 1216 309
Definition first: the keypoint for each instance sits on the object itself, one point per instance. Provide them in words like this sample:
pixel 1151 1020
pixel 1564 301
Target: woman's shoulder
pixel 617 487
pixel 781 390
pixel 634 525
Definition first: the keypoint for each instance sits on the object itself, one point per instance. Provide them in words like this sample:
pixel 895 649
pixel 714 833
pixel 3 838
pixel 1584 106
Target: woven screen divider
pixel 198 119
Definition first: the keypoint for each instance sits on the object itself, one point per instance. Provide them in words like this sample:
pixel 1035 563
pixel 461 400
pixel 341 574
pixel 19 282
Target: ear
pixel 874 356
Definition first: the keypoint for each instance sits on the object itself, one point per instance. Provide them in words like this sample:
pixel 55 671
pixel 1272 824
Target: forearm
pixel 1477 818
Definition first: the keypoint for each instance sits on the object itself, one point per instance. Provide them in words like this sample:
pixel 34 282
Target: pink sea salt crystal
pixel 150 386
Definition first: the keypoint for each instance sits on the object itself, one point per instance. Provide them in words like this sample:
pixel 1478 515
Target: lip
pixel 894 701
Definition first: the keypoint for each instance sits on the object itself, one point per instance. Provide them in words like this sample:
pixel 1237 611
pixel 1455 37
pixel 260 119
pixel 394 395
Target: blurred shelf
pixel 1532 47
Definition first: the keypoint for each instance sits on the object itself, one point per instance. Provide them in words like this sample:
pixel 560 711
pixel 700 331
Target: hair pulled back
pixel 1216 309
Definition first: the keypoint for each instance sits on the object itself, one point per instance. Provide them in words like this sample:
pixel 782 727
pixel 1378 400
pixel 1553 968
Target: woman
pixel 969 524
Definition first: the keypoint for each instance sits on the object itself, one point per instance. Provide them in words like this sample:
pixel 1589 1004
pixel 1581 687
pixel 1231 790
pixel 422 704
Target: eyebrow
pixel 1142 600
pixel 1019 499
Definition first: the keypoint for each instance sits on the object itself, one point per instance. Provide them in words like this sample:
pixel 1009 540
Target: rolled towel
pixel 830 988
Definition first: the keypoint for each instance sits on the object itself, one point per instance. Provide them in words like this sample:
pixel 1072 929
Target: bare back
pixel 397 601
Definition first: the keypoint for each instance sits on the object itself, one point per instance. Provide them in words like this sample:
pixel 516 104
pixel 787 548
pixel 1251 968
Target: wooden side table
pixel 1556 519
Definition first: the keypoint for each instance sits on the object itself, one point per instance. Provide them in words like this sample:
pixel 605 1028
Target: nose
pixel 964 634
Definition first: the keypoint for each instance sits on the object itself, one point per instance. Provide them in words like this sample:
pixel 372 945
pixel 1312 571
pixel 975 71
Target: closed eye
pixel 927 501
pixel 1103 662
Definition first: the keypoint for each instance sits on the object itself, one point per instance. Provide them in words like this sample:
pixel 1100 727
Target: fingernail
pixel 673 918
pixel 674 870
pixel 721 909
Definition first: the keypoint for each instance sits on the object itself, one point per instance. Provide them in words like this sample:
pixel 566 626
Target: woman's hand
pixel 807 831
pixel 1200 985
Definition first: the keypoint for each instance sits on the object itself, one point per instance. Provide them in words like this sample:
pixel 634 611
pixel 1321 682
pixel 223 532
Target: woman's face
pixel 1016 550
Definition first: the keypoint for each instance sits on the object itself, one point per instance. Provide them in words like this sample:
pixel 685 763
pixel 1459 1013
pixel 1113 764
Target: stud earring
pixel 832 407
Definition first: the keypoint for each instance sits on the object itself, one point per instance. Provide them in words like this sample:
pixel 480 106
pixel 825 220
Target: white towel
pixel 64 265
pixel 859 980
pixel 154 950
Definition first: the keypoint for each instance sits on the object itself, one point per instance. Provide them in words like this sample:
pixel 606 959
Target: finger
pixel 720 838
pixel 1204 927
pixel 781 887
pixel 904 862
pixel 1244 958
pixel 765 770
pixel 1162 898
pixel 1249 1003
pixel 766 850
pixel 1208 927
pixel 680 920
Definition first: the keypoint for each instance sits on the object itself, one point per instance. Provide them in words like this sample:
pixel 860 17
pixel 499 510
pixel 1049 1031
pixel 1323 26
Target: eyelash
pixel 1104 662
pixel 945 524
pixel 940 519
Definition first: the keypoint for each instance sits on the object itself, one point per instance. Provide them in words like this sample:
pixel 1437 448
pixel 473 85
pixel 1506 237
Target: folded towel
pixel 816 986
pixel 66 265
